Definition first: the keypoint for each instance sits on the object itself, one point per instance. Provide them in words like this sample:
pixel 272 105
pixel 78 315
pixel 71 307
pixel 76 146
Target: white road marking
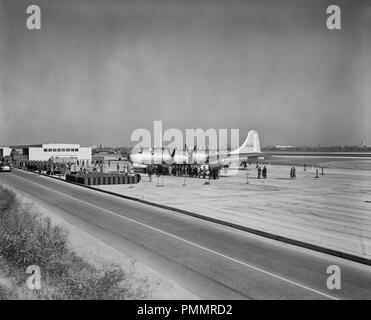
pixel 189 242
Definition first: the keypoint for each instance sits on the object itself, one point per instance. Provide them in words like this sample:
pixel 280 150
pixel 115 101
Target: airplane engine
pixel 199 157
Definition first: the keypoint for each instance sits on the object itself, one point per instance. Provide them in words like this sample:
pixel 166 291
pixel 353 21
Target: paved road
pixel 212 261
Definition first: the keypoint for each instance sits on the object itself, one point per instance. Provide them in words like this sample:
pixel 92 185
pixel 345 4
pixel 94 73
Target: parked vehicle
pixel 5 168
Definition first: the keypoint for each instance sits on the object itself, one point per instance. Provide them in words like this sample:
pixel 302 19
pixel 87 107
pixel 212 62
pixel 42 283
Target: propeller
pixel 172 154
pixel 194 149
pixel 190 153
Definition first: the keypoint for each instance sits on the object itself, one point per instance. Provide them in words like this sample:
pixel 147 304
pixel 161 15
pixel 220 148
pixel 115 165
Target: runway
pixel 210 260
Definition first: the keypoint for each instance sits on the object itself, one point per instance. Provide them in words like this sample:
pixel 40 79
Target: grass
pixel 27 238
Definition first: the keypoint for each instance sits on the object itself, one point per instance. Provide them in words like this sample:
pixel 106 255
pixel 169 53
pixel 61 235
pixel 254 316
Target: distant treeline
pixel 320 149
pixel 126 150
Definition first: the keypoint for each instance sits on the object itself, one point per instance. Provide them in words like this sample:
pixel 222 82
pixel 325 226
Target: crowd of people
pixel 61 168
pixel 191 171
pixel 48 167
pixel 292 173
pixel 262 172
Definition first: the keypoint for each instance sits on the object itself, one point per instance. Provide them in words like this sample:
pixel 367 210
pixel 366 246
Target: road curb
pixel 265 234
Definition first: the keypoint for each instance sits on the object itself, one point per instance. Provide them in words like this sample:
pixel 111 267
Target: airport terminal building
pixel 58 152
pixel 5 152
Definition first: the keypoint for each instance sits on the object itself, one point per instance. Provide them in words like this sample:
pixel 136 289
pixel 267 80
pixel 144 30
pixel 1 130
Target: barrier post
pixel 207 182
pixel 158 181
pixel 131 180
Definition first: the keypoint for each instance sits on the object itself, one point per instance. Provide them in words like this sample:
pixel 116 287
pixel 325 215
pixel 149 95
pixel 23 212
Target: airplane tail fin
pixel 251 144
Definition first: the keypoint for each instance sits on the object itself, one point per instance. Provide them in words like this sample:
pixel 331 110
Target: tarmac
pixel 209 260
pixel 332 211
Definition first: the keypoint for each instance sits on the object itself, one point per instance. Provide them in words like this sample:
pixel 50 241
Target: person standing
pixel 264 173
pixel 259 172
pixel 150 173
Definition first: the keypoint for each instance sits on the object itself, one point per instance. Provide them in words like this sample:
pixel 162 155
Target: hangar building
pixel 59 152
pixel 5 152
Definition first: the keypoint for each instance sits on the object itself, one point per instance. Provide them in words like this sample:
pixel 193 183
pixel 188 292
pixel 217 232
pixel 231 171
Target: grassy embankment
pixel 28 239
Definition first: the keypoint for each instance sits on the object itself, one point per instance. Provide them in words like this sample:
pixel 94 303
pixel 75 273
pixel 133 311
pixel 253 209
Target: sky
pixel 99 69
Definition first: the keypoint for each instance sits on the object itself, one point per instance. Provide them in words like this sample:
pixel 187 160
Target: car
pixel 5 168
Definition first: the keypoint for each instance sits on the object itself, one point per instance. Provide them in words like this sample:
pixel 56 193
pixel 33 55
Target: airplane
pixel 248 151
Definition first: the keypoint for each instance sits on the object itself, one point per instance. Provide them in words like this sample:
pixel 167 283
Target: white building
pixel 5 151
pixel 60 152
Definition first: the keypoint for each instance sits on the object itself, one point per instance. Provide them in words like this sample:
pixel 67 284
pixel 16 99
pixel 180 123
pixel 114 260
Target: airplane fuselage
pixel 250 149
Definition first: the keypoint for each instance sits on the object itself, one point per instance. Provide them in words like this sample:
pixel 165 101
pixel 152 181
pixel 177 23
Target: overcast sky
pixel 97 70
